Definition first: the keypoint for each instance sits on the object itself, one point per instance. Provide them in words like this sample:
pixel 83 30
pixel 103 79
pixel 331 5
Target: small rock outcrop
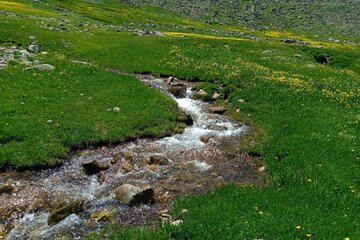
pixel 43 67
pixel 294 41
pixel 131 195
pixel 143 32
pixel 34 48
pixel 171 80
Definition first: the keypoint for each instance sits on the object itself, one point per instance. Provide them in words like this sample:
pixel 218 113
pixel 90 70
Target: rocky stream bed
pixel 131 183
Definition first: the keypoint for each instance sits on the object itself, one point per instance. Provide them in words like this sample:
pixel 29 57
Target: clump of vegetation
pixel 322 58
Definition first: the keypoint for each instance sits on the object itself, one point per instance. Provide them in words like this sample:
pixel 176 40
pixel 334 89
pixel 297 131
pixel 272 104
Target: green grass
pixel 311 116
pixel 309 113
pixel 46 114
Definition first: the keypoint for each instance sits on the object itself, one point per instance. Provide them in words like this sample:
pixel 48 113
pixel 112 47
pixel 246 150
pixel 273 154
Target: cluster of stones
pixel 23 56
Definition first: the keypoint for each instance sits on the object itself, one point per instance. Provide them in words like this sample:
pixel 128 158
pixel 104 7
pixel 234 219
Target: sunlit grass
pixel 309 113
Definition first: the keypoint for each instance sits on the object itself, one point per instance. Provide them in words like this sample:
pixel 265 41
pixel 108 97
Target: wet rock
pixel 128 167
pixel 91 167
pixel 162 198
pixel 158 159
pixel 62 230
pixel 171 80
pixel 205 139
pixel 3 232
pixel 34 48
pixel 41 202
pixel 153 168
pixel 6 188
pixel 219 181
pixel 217 110
pixel 145 161
pixel 104 215
pixel 217 127
pixel 104 166
pixel 186 118
pixel 62 208
pixel 43 67
pixel 130 156
pixel 131 195
pixel 178 90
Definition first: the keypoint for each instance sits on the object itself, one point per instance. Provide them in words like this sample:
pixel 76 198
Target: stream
pixel 206 155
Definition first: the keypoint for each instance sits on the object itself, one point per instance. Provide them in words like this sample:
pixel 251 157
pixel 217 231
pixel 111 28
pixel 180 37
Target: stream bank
pixel 204 156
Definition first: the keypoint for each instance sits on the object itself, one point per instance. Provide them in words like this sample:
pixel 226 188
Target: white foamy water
pixel 205 124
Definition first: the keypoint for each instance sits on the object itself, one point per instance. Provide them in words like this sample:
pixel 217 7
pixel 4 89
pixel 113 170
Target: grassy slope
pixel 322 16
pixel 310 113
pixel 74 97
pixel 44 115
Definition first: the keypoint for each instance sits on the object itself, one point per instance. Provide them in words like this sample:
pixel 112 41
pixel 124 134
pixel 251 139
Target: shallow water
pixel 190 166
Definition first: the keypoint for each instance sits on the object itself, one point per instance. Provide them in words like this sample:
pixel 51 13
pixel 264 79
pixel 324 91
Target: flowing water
pixel 186 165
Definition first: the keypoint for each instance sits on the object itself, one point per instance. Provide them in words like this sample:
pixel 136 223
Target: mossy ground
pixel 309 113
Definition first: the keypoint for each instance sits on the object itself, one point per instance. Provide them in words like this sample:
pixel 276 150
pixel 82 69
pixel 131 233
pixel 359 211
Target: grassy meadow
pixel 308 113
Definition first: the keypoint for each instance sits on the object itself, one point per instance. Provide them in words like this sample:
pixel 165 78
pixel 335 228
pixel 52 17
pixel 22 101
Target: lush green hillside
pixel 306 114
pixel 330 17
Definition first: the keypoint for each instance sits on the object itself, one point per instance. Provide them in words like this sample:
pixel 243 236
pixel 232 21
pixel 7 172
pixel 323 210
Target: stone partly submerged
pixel 64 208
pixel 131 195
pixel 178 89
pixel 6 188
